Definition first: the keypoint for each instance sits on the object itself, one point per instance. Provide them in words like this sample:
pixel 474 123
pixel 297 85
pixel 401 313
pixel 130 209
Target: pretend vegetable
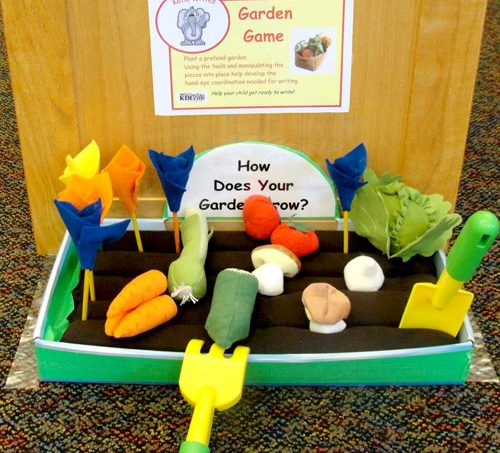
pixel 232 306
pixel 260 216
pixel 315 45
pixel 141 289
pixel 296 238
pixel 186 275
pixel 398 219
pixel 273 253
pixel 326 308
pixel 147 316
pixel 140 306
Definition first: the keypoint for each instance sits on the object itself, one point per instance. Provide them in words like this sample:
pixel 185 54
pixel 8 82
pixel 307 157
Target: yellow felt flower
pixel 84 164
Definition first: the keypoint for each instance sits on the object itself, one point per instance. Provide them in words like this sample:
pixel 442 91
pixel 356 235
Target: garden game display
pixel 282 283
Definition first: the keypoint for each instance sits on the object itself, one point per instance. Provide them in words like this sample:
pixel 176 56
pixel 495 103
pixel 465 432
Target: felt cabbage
pixel 81 192
pixel 84 164
pixel 399 220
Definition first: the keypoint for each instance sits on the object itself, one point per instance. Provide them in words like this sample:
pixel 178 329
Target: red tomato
pixel 307 53
pixel 260 216
pixel 300 242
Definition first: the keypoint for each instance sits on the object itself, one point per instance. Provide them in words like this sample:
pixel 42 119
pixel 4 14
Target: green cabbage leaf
pixel 399 220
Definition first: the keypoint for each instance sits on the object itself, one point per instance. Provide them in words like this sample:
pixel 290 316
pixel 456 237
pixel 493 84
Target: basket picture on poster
pixel 310 54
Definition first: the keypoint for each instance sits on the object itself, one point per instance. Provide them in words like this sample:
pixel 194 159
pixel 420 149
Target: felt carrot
pixel 112 323
pixel 141 289
pixel 146 316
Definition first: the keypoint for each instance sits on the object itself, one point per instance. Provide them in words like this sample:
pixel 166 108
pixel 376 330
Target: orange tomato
pixel 326 40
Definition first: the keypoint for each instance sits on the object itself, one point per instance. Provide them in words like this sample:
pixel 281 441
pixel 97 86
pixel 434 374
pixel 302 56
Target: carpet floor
pixel 130 418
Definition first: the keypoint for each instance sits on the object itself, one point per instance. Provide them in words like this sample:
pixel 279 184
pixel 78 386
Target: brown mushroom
pixel 326 308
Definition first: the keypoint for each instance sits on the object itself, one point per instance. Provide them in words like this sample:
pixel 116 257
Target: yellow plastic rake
pixel 209 381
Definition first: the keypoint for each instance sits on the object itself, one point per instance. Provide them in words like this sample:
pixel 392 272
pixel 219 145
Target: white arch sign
pixel 224 177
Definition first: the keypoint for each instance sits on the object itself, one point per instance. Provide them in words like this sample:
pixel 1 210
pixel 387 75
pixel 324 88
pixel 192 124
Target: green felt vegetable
pixel 315 45
pixel 398 219
pixel 186 275
pixel 232 306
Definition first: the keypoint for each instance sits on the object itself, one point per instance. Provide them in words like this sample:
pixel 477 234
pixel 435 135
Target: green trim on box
pixel 448 367
pixel 191 446
pixel 72 366
pixel 425 369
pixel 61 301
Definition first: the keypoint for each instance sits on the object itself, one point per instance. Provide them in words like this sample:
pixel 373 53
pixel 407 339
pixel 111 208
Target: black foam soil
pixel 279 324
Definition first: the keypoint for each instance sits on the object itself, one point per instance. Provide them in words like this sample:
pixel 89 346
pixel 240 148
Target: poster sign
pixel 253 56
pixel 223 178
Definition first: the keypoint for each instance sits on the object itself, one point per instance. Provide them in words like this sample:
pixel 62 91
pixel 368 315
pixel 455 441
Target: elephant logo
pixel 192 22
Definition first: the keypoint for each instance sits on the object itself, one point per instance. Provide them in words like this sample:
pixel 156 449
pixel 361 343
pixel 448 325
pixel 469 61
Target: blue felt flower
pixel 173 172
pixel 85 229
pixel 346 173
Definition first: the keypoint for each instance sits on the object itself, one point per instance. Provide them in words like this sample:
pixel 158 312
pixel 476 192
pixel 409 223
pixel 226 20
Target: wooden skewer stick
pixel 346 231
pixel 90 280
pixel 176 233
pixel 136 232
pixel 85 305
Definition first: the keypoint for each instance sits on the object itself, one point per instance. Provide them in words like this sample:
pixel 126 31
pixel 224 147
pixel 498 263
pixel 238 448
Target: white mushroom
pixel 278 254
pixel 326 308
pixel 270 277
pixel 363 273
pixel 272 263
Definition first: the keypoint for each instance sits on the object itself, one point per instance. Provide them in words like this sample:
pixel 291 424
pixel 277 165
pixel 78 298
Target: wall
pixel 81 70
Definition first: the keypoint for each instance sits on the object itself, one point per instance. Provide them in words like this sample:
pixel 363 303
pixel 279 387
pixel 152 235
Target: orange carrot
pixel 112 323
pixel 147 316
pixel 141 289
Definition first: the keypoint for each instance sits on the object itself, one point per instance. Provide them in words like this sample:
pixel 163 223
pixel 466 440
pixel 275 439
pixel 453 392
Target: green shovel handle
pixel 472 244
pixel 191 446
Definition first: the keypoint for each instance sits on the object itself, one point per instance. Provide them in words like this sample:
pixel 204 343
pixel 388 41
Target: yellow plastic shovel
pixel 209 381
pixel 443 306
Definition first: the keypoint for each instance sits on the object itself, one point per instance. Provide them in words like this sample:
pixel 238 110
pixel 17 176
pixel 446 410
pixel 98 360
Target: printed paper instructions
pixel 213 56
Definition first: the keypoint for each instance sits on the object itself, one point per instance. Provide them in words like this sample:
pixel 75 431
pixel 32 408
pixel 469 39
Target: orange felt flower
pixel 126 171
pixel 81 192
